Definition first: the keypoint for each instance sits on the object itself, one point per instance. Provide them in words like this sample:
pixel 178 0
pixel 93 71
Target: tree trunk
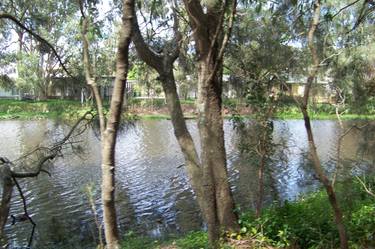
pixel 315 158
pixel 259 205
pixel 109 130
pixel 6 196
pixel 326 183
pixel 163 63
pixel 213 154
pixel 110 133
pixel 208 177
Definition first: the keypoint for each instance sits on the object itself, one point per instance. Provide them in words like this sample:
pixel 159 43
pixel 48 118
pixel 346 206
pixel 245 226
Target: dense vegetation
pixel 209 60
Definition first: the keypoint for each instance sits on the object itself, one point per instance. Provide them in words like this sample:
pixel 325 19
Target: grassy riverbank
pixel 147 109
pixel 304 223
pixel 31 110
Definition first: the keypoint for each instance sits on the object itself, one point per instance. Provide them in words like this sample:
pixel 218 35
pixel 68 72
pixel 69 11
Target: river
pixel 153 195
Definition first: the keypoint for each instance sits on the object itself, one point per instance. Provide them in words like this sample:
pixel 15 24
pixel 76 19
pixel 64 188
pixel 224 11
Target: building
pixel 321 91
pixel 9 94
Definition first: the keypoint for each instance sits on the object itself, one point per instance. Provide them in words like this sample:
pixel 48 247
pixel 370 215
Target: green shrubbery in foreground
pixel 305 223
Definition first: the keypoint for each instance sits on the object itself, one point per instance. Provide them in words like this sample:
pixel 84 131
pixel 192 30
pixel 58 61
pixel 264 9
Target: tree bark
pixel 6 179
pixel 90 78
pixel 210 41
pixel 110 133
pixel 315 158
pixel 259 204
pixel 213 154
pixel 208 177
pixel 109 130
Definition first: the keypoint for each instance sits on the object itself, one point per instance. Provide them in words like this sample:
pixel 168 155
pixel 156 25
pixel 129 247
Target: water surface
pixel 153 193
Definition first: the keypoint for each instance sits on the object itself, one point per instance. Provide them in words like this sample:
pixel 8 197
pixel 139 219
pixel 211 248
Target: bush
pixel 308 222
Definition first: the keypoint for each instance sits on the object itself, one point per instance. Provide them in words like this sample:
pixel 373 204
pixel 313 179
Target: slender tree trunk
pixel 6 178
pixel 110 133
pixel 183 136
pixel 259 205
pixel 109 130
pixel 315 158
pixel 90 78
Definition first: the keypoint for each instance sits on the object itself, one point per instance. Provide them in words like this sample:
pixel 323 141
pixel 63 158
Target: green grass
pixel 70 109
pixel 192 240
pixel 16 109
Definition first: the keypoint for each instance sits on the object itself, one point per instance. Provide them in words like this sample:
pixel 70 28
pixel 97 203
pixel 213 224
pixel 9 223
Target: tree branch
pixel 225 41
pixel 38 37
pixel 344 8
pixel 26 213
pixel 368 191
pixel 144 51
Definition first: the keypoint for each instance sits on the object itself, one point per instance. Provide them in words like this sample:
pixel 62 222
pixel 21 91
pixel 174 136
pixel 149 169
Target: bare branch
pixel 344 8
pixel 52 152
pixel 38 37
pixel 225 41
pixel 26 213
pixel 368 191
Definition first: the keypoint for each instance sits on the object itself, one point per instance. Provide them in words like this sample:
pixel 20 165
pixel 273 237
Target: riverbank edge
pixel 70 110
pixel 139 116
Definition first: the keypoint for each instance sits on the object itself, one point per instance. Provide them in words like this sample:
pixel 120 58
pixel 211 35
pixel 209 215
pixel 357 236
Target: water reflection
pixel 153 194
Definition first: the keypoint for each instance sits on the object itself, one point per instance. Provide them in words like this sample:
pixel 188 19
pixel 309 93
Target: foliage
pixel 131 241
pixel 308 222
pixel 6 82
pixel 304 223
pixel 193 240
pixel 29 78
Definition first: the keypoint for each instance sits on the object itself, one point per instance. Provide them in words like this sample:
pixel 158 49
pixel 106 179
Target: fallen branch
pixel 9 176
pixel 26 213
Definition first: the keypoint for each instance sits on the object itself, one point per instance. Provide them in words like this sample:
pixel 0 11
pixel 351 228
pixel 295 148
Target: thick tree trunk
pixel 208 177
pixel 210 42
pixel 110 133
pixel 213 154
pixel 163 63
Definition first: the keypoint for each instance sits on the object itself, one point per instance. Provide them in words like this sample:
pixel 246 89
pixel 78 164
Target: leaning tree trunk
pixel 183 136
pixel 315 158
